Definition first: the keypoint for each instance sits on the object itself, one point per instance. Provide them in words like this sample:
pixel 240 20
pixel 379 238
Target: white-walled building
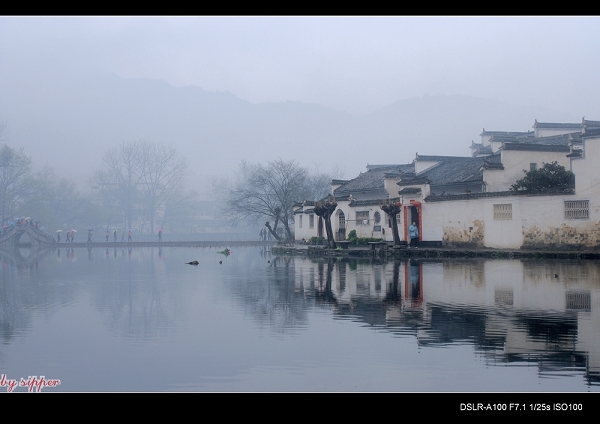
pixel 466 201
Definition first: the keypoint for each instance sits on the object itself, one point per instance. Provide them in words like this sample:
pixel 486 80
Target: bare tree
pixel 162 175
pixel 392 209
pixel 3 127
pixel 319 183
pixel 106 196
pixel 139 177
pixel 325 209
pixel 121 174
pixel 181 210
pixel 267 192
pixel 15 180
pixel 57 202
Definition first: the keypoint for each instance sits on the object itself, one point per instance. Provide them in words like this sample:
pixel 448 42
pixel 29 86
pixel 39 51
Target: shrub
pixel 352 237
pixel 550 177
pixel 316 240
pixel 365 240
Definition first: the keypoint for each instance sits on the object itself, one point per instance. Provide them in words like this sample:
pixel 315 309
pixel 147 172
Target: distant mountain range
pixel 70 122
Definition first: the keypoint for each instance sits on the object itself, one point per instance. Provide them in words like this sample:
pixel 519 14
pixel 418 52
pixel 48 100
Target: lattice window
pixel 362 218
pixel 579 300
pixel 503 212
pixel 311 221
pixel 377 217
pixel 342 220
pixel 577 209
pixel 503 297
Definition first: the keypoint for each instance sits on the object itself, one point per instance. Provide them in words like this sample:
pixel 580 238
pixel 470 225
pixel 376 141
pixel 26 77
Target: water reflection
pixel 233 316
pixel 270 298
pixel 131 295
pixel 511 311
pixel 23 256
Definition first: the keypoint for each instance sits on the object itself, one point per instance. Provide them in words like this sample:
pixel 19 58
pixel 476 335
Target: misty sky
pixel 356 64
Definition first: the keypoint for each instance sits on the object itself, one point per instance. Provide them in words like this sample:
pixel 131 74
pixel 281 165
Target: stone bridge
pixel 12 236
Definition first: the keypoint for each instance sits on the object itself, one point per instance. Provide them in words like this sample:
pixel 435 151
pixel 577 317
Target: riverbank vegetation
pixel 139 185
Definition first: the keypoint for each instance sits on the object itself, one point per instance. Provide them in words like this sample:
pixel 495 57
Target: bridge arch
pixel 12 235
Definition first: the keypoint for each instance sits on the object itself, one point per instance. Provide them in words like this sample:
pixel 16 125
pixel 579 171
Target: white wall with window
pixel 362 217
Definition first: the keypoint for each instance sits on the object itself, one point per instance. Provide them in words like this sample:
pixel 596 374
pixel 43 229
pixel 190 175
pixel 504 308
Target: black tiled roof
pixel 411 179
pixel 556 125
pixel 530 147
pixel 434 158
pixel 453 170
pixel 341 198
pixel 484 150
pixel 503 139
pixel 506 133
pixel 373 202
pixel 555 140
pixel 410 190
pixel 493 158
pixel 365 202
pixel 469 196
pixel 589 133
pixel 373 179
pixel 591 124
pixel 493 162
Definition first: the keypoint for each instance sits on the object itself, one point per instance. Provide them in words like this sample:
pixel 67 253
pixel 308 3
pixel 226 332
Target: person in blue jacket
pixel 413 233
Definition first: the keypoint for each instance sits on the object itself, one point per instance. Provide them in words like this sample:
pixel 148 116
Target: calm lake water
pixel 143 320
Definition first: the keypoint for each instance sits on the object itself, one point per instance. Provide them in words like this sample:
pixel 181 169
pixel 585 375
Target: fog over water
pixel 325 91
pixel 140 319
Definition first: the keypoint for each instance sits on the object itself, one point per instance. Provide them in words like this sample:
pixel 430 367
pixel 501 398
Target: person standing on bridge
pixel 68 236
pixel 115 235
pixel 129 235
pixel 58 237
pixel 89 236
pixel 160 235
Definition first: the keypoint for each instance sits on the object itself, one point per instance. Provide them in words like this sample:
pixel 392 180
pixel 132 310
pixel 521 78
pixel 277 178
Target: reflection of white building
pixel 512 309
pixel 465 201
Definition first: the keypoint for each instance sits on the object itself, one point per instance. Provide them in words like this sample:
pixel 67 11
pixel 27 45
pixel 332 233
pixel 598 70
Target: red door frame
pixel 419 300
pixel 420 223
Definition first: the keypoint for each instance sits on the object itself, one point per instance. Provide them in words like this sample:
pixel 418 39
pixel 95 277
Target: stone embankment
pixel 165 244
pixel 383 250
